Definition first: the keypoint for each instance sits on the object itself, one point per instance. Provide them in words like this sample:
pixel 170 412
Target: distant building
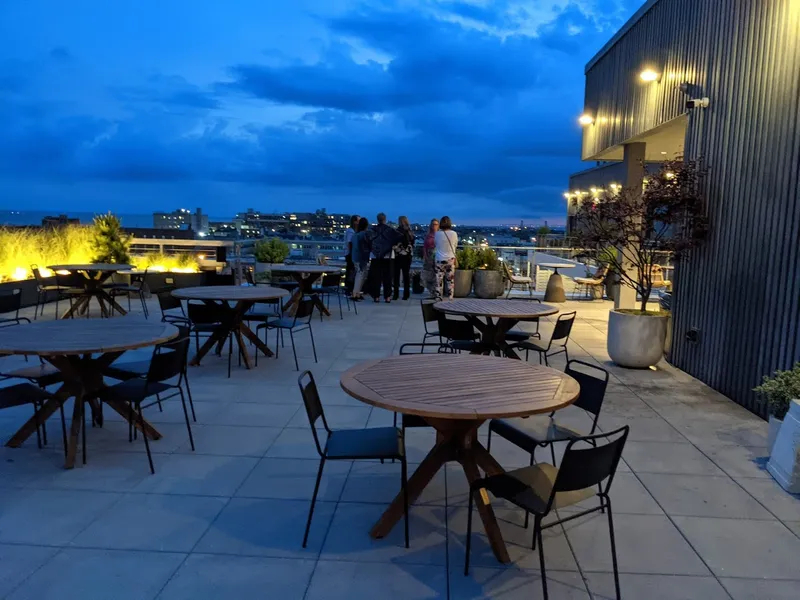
pixel 182 219
pixel 161 234
pixel 59 221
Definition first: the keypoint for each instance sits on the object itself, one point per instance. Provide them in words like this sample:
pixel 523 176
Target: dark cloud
pixel 441 109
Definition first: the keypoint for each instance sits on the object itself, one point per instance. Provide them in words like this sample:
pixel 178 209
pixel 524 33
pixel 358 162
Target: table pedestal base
pixel 305 286
pixel 493 336
pixel 555 289
pixel 456 441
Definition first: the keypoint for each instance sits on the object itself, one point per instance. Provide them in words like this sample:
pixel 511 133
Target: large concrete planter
pixel 636 341
pixel 463 285
pixel 28 290
pixel 488 284
pixel 772 433
pixel 784 460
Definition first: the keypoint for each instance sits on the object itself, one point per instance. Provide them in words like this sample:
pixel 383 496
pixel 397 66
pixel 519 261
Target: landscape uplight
pixel 649 75
pixel 585 119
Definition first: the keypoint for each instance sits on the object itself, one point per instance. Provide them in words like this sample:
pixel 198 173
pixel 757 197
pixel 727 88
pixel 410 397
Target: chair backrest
pixel 419 348
pixel 11 301
pixel 166 301
pixel 600 272
pixel 562 329
pixel 37 274
pixel 71 279
pixel 657 276
pixel 313 404
pixel 585 467
pixel 429 314
pixel 453 329
pixel 593 386
pixel 331 279
pixel 508 271
pixel 249 277
pixel 220 279
pixel 202 313
pixel 169 360
pixel 305 308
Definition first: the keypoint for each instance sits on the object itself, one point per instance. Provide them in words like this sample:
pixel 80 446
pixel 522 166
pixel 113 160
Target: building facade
pixel 182 218
pixel 717 80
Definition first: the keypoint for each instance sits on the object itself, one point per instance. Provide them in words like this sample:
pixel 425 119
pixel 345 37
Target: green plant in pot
pixel 268 252
pixel 779 390
pixel 641 225
pixel 488 276
pixel 467 259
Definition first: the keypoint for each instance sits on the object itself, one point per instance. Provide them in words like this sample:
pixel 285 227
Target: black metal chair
pixel 21 394
pixel 220 279
pixel 429 315
pixel 331 285
pixel 208 319
pixel 301 321
pixel 541 488
pixel 44 286
pixel 137 369
pixel 73 285
pixel 557 343
pixel 515 336
pixel 127 289
pixel 383 443
pixel 168 362
pixel 171 308
pixel 460 335
pixel 540 432
pixel 10 303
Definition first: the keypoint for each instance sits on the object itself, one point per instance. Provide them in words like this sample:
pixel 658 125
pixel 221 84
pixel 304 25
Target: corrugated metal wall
pixel 741 290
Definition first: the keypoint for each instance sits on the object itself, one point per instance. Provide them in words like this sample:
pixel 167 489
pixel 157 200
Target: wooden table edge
pixel 545 313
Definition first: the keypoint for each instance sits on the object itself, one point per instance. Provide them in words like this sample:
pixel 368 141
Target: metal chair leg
pixel 541 561
pixel 83 428
pixel 38 432
pixel 146 441
pixel 63 426
pixel 313 345
pixel 469 534
pixel 489 441
pixel 186 416
pixel 613 547
pixel 404 475
pixel 294 351
pixel 189 393
pixel 313 501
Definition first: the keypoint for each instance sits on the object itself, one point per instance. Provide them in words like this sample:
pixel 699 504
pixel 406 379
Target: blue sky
pixel 421 107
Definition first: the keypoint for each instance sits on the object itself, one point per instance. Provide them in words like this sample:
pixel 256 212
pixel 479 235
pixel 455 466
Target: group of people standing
pixel 377 257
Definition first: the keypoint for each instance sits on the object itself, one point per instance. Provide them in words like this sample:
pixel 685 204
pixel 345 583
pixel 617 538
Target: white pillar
pixel 633 158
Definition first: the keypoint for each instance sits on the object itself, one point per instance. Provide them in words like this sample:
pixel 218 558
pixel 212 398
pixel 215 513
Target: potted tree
pixel 268 252
pixel 109 243
pixel 666 217
pixel 488 276
pixel 779 390
pixel 467 259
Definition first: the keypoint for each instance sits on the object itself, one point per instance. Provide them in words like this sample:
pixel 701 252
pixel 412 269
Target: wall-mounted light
pixel 649 75
pixel 585 119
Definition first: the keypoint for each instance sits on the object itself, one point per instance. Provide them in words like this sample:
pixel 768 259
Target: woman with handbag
pixel 446 242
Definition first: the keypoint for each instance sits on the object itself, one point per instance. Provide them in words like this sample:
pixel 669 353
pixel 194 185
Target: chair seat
pixel 279 322
pixel 532 345
pixel 516 279
pixel 134 390
pixel 588 281
pixel 517 335
pixel 43 374
pixel 126 289
pixel 378 442
pixel 464 345
pixel 21 394
pixel 532 432
pixel 127 370
pixel 530 488
pixel 52 288
pixel 432 334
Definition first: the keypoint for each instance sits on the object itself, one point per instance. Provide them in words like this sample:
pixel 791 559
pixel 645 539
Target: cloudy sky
pixel 422 107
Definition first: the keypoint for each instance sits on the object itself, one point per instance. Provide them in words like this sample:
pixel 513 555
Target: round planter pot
pixel 636 341
pixel 463 284
pixel 488 284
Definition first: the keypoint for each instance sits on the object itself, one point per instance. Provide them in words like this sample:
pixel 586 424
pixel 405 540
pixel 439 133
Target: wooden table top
pixel 305 268
pixel 508 309
pixel 97 267
pixel 84 336
pixel 230 292
pixel 460 386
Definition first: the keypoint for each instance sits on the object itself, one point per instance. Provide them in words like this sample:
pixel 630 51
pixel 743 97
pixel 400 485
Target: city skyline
pixel 411 106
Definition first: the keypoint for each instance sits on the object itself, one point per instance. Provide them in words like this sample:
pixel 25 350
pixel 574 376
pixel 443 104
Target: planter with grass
pixel 631 230
pixel 488 278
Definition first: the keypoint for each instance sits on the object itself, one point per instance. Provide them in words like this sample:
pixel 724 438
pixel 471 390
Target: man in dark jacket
pixel 382 238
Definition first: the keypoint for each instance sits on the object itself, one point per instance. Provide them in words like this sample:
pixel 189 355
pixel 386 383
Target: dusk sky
pixel 417 107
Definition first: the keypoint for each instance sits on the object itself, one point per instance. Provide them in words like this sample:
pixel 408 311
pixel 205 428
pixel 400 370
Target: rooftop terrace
pixel 696 514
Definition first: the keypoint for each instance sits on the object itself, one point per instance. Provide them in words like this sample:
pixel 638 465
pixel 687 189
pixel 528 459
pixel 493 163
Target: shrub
pixel 780 389
pixel 109 243
pixel 271 250
pixel 468 258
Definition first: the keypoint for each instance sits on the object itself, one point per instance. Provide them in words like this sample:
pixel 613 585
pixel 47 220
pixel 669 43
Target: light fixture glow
pixel 566 195
pixel 669 175
pixel 649 75
pixel 585 119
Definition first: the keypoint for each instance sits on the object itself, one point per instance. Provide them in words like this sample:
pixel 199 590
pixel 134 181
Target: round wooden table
pixel 81 350
pixel 455 394
pixel 555 285
pixel 507 312
pixel 305 276
pixel 245 298
pixel 94 277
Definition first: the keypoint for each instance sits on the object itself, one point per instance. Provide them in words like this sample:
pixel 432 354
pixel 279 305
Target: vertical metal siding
pixel 741 289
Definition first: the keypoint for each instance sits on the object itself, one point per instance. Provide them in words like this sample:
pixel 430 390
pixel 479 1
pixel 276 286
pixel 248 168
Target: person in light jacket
pixel 446 243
